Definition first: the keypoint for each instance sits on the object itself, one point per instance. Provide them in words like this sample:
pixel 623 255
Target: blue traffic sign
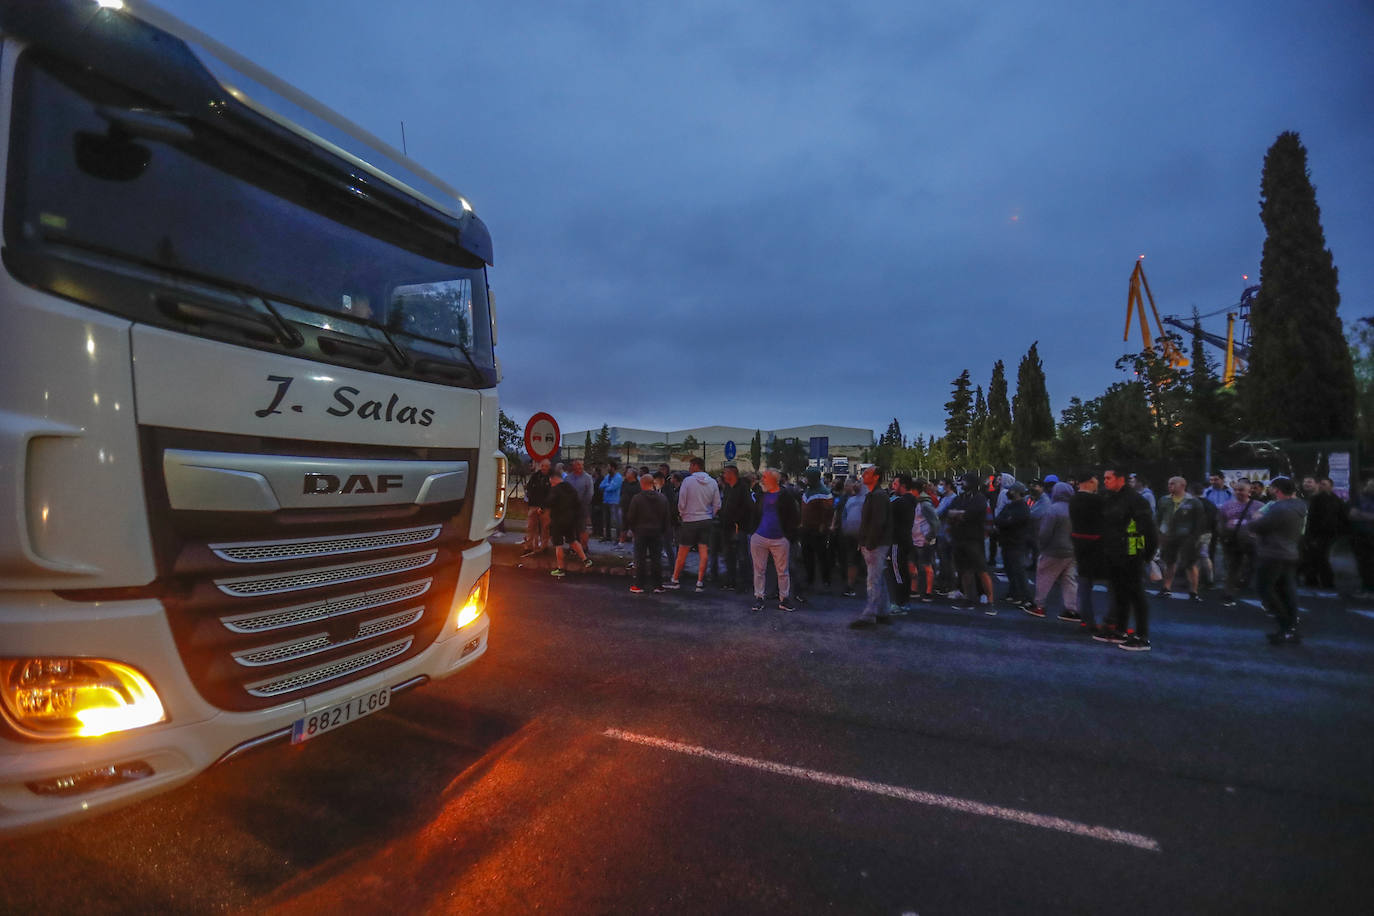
pixel 730 450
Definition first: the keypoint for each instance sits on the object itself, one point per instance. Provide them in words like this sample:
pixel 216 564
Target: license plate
pixel 326 720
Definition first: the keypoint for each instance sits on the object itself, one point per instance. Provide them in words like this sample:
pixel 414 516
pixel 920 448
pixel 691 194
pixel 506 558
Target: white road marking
pixel 963 805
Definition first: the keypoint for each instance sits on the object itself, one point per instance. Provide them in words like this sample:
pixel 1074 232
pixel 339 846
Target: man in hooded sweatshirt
pixel 698 501
pixel 1056 562
pixel 1014 533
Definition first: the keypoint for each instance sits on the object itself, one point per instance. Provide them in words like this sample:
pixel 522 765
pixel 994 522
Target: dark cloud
pixel 771 214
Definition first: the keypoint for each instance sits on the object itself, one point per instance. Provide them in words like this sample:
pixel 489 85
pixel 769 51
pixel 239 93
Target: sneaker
pixel 863 623
pixel 1034 610
pixel 557 573
pixel 630 565
pixel 962 606
pixel 884 619
pixel 989 610
pixel 587 563
pixel 1107 634
pixel 1135 644
pixel 635 589
pixel 1164 593
pixel 1194 596
pixel 1228 601
pixel 896 610
pixel 672 583
pixel 786 605
pixel 701 586
pixel 850 593
pixel 1072 616
pixel 926 599
pixel 658 590
pixel 757 605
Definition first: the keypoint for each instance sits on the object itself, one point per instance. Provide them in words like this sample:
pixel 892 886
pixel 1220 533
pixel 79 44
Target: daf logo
pixel 321 484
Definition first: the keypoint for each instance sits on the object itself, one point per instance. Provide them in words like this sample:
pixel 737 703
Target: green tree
pixel 510 438
pixel 788 455
pixel 756 450
pixel 1167 396
pixel 1124 428
pixel 1032 422
pixel 997 432
pixel 1362 357
pixel 1300 383
pixel 959 419
pixel 601 448
pixel 587 447
pixel 978 430
pixel 1073 443
pixel 690 445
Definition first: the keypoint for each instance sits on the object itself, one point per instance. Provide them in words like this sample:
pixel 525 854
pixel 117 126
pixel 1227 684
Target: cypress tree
pixel 1300 383
pixel 1032 420
pixel 997 432
pixel 978 430
pixel 756 449
pixel 958 422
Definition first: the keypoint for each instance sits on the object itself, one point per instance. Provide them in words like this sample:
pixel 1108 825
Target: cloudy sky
pixel 768 214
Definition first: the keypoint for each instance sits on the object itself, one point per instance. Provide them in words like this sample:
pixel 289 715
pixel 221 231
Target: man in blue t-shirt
pixel 776 520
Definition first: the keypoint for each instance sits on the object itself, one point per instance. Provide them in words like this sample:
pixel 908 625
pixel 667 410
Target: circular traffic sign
pixel 541 436
pixel 730 450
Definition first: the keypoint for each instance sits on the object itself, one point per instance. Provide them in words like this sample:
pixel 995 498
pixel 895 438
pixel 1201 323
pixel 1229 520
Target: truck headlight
pixel 476 603
pixel 76 697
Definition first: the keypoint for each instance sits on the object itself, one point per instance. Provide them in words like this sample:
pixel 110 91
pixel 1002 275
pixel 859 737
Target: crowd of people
pixel 905 539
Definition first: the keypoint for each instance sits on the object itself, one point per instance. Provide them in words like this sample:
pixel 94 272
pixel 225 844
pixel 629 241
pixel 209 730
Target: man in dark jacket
pixel 903 510
pixel 1325 512
pixel 736 507
pixel 776 521
pixel 1085 517
pixel 1013 525
pixel 1129 540
pixel 875 542
pixel 565 522
pixel 648 518
pixel 537 516
pixel 967 515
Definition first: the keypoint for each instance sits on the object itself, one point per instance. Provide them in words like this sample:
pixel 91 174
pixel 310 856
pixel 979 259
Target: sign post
pixel 541 436
pixel 730 450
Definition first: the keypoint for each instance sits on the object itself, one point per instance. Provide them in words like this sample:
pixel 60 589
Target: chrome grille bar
pixel 320 674
pixel 277 618
pixel 316 643
pixel 332 545
pixel 274 584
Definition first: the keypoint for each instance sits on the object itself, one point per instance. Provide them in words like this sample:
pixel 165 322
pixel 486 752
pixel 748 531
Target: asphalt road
pixel 676 754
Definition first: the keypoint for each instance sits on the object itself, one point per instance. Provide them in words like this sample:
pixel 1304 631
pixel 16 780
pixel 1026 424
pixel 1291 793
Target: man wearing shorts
pixel 1179 518
pixel 565 515
pixel 581 482
pixel 698 501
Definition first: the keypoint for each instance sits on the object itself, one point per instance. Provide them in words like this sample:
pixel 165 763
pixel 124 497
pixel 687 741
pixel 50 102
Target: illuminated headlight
pixel 476 603
pixel 76 697
pixel 500 488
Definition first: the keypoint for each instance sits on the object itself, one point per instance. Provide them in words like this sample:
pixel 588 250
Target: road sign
pixel 730 450
pixel 541 436
pixel 820 446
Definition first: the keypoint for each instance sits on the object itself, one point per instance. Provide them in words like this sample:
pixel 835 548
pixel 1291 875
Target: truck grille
pixel 274 606
pixel 314 677
pixel 268 551
pixel 315 578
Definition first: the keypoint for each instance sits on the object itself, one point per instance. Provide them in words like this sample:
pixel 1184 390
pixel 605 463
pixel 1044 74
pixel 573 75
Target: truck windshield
pixel 94 169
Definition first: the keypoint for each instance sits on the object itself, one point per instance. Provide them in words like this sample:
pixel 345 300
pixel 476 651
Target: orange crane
pixel 1135 303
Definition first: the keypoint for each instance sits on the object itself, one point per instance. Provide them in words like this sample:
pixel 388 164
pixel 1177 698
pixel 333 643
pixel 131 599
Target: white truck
pixel 248 413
